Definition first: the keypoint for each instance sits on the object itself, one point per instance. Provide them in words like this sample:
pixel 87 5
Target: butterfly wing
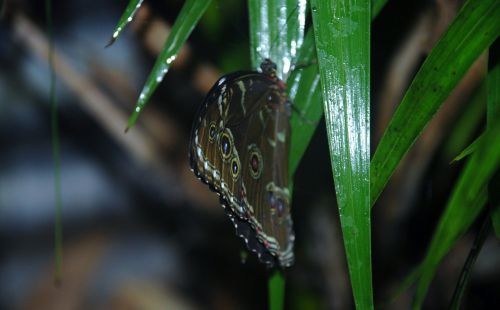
pixel 265 174
pixel 239 146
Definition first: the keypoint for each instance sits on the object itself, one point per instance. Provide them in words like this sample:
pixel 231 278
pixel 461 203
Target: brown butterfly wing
pixel 239 146
pixel 265 174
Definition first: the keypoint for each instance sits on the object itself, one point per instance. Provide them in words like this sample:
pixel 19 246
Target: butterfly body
pixel 239 147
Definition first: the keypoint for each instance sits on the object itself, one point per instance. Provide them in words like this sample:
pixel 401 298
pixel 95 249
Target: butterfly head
pixel 268 67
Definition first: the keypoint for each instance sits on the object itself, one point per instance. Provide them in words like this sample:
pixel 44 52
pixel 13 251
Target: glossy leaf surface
pixel 342 33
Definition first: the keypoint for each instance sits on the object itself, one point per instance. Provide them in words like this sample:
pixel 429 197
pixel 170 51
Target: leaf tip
pixel 111 41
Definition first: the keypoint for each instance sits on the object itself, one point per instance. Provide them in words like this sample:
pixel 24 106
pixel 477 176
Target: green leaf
pixel 276 32
pixel 304 88
pixel 127 16
pixel 468 150
pixel 475 27
pixel 304 91
pixel 466 202
pixel 342 32
pixel 184 24
pixel 456 300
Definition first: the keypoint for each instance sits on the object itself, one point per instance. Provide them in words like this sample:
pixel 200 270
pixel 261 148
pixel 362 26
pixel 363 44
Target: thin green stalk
pixel 56 147
pixel 469 263
pixel 276 287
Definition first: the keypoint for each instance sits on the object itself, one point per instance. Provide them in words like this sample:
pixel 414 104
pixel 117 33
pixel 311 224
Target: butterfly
pixel 239 147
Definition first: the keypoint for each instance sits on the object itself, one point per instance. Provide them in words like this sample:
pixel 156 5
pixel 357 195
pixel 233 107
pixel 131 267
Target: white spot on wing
pixel 281 136
pixel 243 91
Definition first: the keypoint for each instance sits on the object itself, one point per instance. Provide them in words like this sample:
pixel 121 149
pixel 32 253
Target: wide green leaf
pixel 304 90
pixel 342 33
pixel 183 26
pixel 475 27
pixel 276 32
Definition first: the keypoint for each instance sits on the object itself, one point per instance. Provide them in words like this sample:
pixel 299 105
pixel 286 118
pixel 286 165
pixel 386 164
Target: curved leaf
pixel 184 24
pixel 475 27
pixel 466 202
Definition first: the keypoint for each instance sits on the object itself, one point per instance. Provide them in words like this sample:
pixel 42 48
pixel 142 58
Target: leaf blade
pixel 187 19
pixel 305 93
pixel 474 29
pixel 466 202
pixel 127 16
pixel 343 47
pixel 276 32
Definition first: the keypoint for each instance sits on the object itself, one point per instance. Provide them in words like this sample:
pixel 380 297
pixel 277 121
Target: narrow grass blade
pixel 466 202
pixel 456 300
pixel 276 32
pixel 342 32
pixel 276 291
pixel 127 16
pixel 493 116
pixel 475 27
pixel 468 150
pixel 187 19
pixel 56 148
